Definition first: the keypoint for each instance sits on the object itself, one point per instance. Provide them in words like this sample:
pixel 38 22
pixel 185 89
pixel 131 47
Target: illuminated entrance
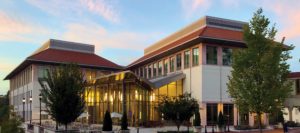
pixel 125 90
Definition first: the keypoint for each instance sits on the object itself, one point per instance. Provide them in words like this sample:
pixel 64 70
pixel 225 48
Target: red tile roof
pixel 56 56
pixel 63 56
pixel 294 75
pixel 208 32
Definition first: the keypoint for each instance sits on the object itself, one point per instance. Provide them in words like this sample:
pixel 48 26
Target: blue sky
pixel 121 29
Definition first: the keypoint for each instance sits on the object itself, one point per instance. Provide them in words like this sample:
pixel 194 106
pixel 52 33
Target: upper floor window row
pixel 212 55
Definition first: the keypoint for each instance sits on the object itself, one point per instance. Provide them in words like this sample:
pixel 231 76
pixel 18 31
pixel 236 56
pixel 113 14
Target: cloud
pixel 95 34
pixel 13 28
pixel 192 6
pixel 287 15
pixel 78 8
pixel 102 8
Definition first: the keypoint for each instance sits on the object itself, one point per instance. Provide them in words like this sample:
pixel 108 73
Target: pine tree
pixel 107 122
pixel 259 82
pixel 124 122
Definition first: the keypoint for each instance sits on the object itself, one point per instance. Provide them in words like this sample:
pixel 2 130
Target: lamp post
pixel 23 101
pixel 30 101
pixel 40 98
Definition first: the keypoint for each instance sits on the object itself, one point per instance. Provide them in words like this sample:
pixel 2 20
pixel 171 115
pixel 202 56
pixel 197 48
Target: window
pixel 160 65
pixel 172 64
pixel 227 56
pixel 145 72
pixel 195 56
pixel 149 71
pixel 228 113
pixel 166 66
pixel 154 69
pixel 297 86
pixel 211 114
pixel 178 61
pixel 211 55
pixel 141 72
pixel 186 59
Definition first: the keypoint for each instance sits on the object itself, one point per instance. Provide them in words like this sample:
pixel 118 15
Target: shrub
pixel 197 121
pixel 107 122
pixel 124 122
pixel 292 124
pixel 221 121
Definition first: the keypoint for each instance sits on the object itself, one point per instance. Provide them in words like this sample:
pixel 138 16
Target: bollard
pixel 205 129
pixel 213 131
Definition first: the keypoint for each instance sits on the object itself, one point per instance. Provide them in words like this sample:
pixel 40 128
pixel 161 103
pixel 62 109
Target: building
pixel 292 103
pixel 23 79
pixel 196 59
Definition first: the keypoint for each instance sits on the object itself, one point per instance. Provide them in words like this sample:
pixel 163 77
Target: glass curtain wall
pixel 140 101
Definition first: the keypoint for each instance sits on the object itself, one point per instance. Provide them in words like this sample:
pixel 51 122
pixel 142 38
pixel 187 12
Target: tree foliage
pixel 9 122
pixel 63 93
pixel 178 109
pixel 197 121
pixel 258 83
pixel 107 122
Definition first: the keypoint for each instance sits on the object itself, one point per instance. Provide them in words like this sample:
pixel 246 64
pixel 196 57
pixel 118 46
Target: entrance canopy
pixel 129 76
pixel 161 81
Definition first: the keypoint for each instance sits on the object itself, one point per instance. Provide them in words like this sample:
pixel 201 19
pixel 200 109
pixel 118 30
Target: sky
pixel 121 29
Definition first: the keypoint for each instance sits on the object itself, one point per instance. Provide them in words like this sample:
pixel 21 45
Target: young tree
pixel 9 121
pixel 221 121
pixel 107 122
pixel 63 93
pixel 178 109
pixel 259 78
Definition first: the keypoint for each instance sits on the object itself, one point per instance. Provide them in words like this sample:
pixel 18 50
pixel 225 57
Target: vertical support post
pixel 23 101
pixel 40 98
pixel 30 101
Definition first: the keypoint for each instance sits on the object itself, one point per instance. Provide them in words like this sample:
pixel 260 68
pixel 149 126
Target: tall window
pixel 211 55
pixel 141 72
pixel 166 66
pixel 172 64
pixel 178 61
pixel 195 56
pixel 186 59
pixel 228 113
pixel 160 65
pixel 145 72
pixel 227 56
pixel 154 69
pixel 298 86
pixel 211 114
pixel 149 71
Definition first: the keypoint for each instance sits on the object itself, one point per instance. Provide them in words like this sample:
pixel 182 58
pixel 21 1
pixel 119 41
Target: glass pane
pixel 178 61
pixel 160 65
pixel 186 59
pixel 195 56
pixel 211 55
pixel 172 64
pixel 227 56
pixel 211 114
pixel 149 71
pixel 172 89
pixel 165 67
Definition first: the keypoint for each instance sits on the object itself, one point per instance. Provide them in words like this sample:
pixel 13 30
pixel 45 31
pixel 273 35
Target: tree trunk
pixel 56 126
pixel 259 122
pixel 66 127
